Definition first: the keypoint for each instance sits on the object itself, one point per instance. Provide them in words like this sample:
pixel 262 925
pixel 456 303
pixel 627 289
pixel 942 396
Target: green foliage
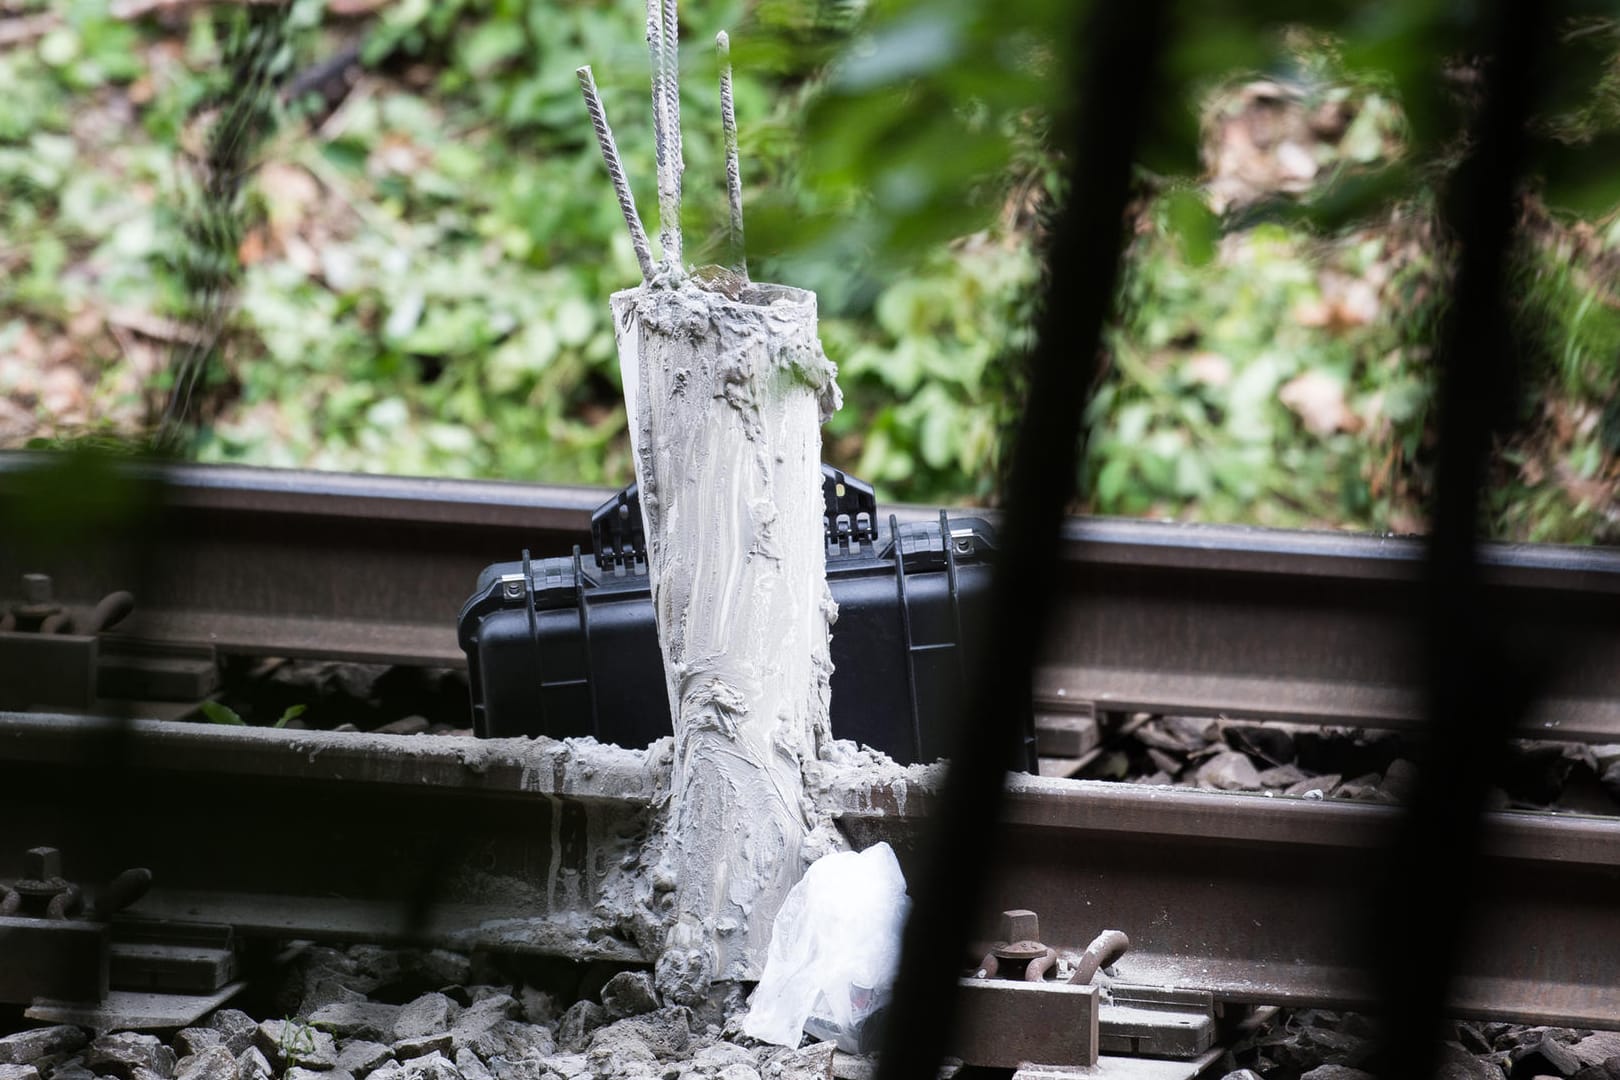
pixel 297 1041
pixel 416 268
pixel 944 340
pixel 219 713
pixel 456 321
pixel 1272 386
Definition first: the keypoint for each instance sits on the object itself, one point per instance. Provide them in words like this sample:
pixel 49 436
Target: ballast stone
pixel 667 1031
pixel 539 1007
pixel 211 1063
pixel 70 1069
pixel 1598 1047
pixel 369 1020
pixel 1229 771
pixel 27 1047
pixel 18 1072
pixel 576 1025
pixel 623 1054
pixel 426 1015
pixel 251 1064
pixel 629 993
pixel 514 1039
pixel 470 1067
pixel 360 1056
pixel 715 1058
pixel 432 1067
pixel 1543 1056
pixel 422 1046
pixel 486 1027
pixel 1337 1072
pixel 810 1063
pixel 1457 1063
pixel 194 1040
pixel 236 1026
pixel 124 1052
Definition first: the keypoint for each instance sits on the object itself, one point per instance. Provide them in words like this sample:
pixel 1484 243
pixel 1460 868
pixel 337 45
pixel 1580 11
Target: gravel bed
pixel 1311 762
pixel 1318 1044
pixel 1294 760
pixel 343 696
pixel 363 1014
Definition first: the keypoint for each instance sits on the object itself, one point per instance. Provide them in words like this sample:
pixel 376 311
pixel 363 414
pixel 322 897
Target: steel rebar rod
pixel 615 168
pixel 661 149
pixel 728 126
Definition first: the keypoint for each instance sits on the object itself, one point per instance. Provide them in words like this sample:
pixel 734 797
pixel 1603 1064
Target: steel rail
pixel 328 835
pixel 1190 618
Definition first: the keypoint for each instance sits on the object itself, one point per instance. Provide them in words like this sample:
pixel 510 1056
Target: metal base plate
pixel 1109 1067
pixel 133 1010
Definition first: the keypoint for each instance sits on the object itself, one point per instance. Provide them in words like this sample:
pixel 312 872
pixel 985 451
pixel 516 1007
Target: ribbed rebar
pixel 675 164
pixel 728 124
pixel 615 168
pixel 661 148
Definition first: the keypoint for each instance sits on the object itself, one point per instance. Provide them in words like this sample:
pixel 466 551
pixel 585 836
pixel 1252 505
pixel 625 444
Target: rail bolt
pixel 42 884
pixel 1020 954
pixel 36 588
pixel 1020 924
pixel 39 611
pixel 42 863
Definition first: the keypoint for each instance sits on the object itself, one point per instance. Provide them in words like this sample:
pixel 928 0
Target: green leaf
pixel 1194 225
pixel 292 712
pixel 221 714
pixel 1111 481
pixel 492 44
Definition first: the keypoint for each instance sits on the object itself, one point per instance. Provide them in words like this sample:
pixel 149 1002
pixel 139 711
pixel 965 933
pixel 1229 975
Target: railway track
pixel 1313 627
pixel 529 846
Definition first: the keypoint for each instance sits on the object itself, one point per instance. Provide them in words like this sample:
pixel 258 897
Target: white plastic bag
pixel 835 945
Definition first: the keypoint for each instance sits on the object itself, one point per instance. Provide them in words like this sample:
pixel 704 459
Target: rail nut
pixel 1020 925
pixel 36 589
pixel 42 863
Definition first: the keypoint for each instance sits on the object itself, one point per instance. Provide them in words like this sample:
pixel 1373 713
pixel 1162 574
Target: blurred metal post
pixel 1476 690
pixel 1115 55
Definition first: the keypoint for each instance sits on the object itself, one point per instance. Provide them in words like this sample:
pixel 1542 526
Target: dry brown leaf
pixel 1314 314
pixel 16 422
pixel 62 392
pixel 1356 304
pixel 1317 398
pixel 1295 162
pixel 1209 368
pixel 252 249
pixel 289 194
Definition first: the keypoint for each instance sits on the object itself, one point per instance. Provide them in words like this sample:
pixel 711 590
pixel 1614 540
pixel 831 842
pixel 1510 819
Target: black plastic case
pixel 567 646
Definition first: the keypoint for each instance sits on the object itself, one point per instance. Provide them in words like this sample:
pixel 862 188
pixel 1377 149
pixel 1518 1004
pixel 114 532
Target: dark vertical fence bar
pixel 1475 690
pixel 1116 55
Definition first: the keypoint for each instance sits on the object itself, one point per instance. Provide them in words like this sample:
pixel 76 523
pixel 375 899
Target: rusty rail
pixel 521 847
pixel 1201 619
